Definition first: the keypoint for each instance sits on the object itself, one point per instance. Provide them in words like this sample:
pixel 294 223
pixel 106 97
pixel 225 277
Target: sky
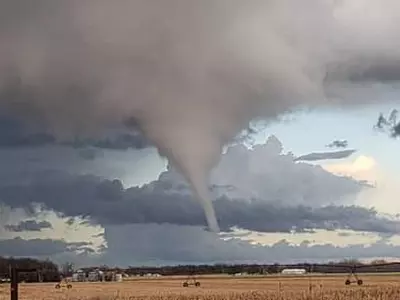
pixel 375 156
pixel 124 148
pixel 130 239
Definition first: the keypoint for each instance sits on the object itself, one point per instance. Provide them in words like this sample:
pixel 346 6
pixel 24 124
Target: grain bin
pixel 118 277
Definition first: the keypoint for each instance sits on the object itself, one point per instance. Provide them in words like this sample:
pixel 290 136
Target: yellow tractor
pixel 64 283
pixel 191 280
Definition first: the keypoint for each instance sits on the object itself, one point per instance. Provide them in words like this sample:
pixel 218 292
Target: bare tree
pixel 67 269
pixel 389 124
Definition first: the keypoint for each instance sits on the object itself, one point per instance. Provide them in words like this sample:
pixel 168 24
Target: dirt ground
pixel 222 287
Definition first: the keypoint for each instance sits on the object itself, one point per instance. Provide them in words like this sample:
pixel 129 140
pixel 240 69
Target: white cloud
pixel 152 244
pixel 361 167
pixel 340 238
pixel 170 244
pixel 74 233
pixel 384 197
pixel 267 173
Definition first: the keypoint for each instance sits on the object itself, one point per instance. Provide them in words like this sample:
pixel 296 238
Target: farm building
pixel 79 276
pixel 293 271
pixel 96 276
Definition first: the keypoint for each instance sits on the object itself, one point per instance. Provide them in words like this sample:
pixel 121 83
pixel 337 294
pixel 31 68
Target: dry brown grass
pixel 220 288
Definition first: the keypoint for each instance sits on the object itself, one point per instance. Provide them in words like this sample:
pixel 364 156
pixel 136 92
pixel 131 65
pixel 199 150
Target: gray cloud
pixel 376 71
pixel 168 244
pixel 338 144
pixel 29 225
pixel 119 142
pixel 89 153
pixel 259 189
pixel 37 247
pixel 151 244
pixel 130 166
pixel 12 134
pixel 325 155
pixel 107 202
pixel 15 134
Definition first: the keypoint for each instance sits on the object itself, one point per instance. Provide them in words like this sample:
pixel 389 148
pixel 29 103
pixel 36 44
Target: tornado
pixel 192 74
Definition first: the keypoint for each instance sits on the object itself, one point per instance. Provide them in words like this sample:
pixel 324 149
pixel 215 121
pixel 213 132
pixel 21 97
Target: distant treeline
pixel 47 271
pixel 258 269
pixel 333 267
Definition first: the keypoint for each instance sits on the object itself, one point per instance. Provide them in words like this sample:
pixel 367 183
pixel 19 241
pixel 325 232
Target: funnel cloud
pixel 189 74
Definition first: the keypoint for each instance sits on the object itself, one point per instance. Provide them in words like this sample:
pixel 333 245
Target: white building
pixel 294 271
pixel 79 276
pixel 96 276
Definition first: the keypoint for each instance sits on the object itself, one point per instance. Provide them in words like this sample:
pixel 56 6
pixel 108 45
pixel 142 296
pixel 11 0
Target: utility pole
pixel 14 280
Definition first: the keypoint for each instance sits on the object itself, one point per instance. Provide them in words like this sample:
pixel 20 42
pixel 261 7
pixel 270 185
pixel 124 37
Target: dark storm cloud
pixel 263 173
pixel 29 225
pixel 168 244
pixel 89 153
pixel 377 71
pixel 107 202
pixel 14 134
pixel 37 247
pixel 151 244
pixel 119 142
pixel 264 217
pixel 325 155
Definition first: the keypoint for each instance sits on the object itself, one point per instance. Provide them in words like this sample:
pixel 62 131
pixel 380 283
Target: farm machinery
pixel 64 283
pixel 191 280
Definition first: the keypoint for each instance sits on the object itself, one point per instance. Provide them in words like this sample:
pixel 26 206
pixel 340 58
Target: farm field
pixel 383 287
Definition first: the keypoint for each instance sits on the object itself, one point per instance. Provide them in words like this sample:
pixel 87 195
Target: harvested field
pixel 383 287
